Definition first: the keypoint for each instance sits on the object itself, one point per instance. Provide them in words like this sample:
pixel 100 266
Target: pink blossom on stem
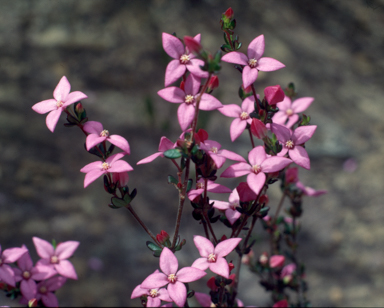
pixel 57 258
pixel 165 144
pixel 241 115
pixel 187 100
pixel 154 296
pixel 172 277
pixel 258 164
pixel 62 99
pixel 112 164
pixel 308 191
pixel 211 187
pixel 8 256
pixel 229 207
pixel 97 135
pixel 46 288
pixel 253 62
pixel 289 111
pixel 184 60
pixel 213 257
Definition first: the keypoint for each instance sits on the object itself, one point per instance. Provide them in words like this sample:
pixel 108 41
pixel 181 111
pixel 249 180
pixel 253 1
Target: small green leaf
pixel 118 202
pixel 153 246
pixel 172 180
pixel 172 153
pixel 189 185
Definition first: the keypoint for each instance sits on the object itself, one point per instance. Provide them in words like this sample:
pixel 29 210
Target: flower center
pixel 153 293
pixel 172 278
pixel 252 63
pixel 200 185
pixel 105 166
pixel 234 205
pixel 43 289
pixel 289 144
pixel 104 133
pixel 184 59
pixel 213 150
pixel 54 260
pixel 256 169
pixel 26 275
pixel 289 112
pixel 59 104
pixel 244 115
pixel 189 99
pixel 212 258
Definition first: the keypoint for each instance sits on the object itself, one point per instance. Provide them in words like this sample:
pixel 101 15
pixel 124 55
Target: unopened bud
pixel 263 259
pixel 211 284
pixel 231 266
pixel 182 85
pixel 213 83
pixel 291 175
pixel 32 302
pixel 229 13
pixel 274 94
pixel 264 199
pixel 192 45
pixel 163 237
pixel 258 129
pixel 121 177
pixel 276 261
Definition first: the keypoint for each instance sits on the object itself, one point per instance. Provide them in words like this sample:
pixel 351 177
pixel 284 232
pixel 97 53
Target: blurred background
pixel 112 51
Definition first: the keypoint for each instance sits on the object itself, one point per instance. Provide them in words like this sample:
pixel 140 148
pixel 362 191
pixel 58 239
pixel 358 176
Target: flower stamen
pixel 59 104
pixel 252 63
pixel 26 275
pixel 43 289
pixel 244 115
pixel 256 169
pixel 153 293
pixel 54 260
pixel 289 144
pixel 184 59
pixel 213 150
pixel 172 278
pixel 105 166
pixel 189 99
pixel 212 258
pixel 104 133
pixel 289 112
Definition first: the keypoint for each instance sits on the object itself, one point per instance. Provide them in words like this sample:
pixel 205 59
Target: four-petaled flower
pixel 253 62
pixel 218 155
pixel 172 277
pixel 46 288
pixel 62 99
pixel 289 110
pixel 165 144
pixel 211 187
pixel 213 257
pixel 229 207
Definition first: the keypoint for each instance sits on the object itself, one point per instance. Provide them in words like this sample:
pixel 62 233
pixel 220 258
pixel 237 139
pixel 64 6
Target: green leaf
pixel 172 180
pixel 172 153
pixel 189 185
pixel 118 203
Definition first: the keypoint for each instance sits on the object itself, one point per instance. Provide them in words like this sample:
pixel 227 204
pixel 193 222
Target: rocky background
pixel 111 50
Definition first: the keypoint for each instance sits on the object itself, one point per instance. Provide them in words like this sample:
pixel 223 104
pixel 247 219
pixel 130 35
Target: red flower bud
pixel 202 135
pixel 223 238
pixel 231 266
pixel 258 129
pixel 264 199
pixel 192 45
pixel 276 261
pixel 213 83
pixel 163 237
pixel 211 284
pixel 274 94
pixel 229 13
pixel 122 177
pixel 79 108
pixel 182 84
pixel 291 175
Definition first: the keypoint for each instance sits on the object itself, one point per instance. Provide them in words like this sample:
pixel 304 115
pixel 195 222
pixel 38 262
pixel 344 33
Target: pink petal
pixel 237 128
pixel 194 67
pixel 302 104
pixel 138 291
pixel 93 127
pixel 266 64
pixel 185 114
pixel 41 272
pixel 92 176
pixel 25 262
pixel 193 193
pixel 236 170
pixel 201 263
pixel 280 117
pixel 163 295
pixel 234 197
pixel 120 166
pixel 153 301
pixel 217 188
pixel 218 160
pixel 220 205
pixel 168 262
pixel 178 293
pixel 96 165
pixel 232 155
pixel 248 105
pixel 172 46
pixel 300 156
pixel 7 275
pixel 74 97
pixel 220 267
pixel 285 104
pixel 209 102
pixel 45 106
pixel 66 269
pixel 192 85
pixel 256 48
pixel 257 155
pixel 235 57
pixel 93 140
pixel 155 280
pixel 203 299
pixel 43 248
pixel 50 300
pixel 54 283
pixel 226 247
pixel 282 133
pixel 111 159
pixel 52 119
pixel 173 72
pixel 189 274
pixel 292 120
pixel 11 255
pixel 149 158
pixel 203 245
pixel 303 133
pixel 172 95
pixel 62 89
pixel 120 142
pixel 165 144
pixel 28 288
pixel 256 182
pixel 249 75
pixel 275 163
pixel 65 250
pixel 231 110
pixel 232 215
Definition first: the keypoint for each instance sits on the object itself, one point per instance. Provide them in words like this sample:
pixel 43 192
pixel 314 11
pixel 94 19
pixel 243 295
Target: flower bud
pixel 276 261
pixel 263 259
pixel 213 83
pixel 163 237
pixel 291 175
pixel 264 199
pixel 258 129
pixel 211 284
pixel 274 94
pixel 231 266
pixel 32 302
pixel 229 13
pixel 192 45
pixel 122 177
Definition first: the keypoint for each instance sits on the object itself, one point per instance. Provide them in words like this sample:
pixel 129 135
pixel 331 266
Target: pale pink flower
pixel 97 135
pixel 241 115
pixel 46 288
pixel 62 99
pixel 211 187
pixel 10 255
pixel 289 111
pixel 258 164
pixel 57 258
pixel 187 100
pixel 112 164
pixel 308 191
pixel 165 144
pixel 154 295
pixel 213 257
pixel 172 277
pixel 184 60
pixel 253 62
pixel 229 207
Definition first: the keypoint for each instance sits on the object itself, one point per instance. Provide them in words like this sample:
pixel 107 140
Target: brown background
pixel 111 50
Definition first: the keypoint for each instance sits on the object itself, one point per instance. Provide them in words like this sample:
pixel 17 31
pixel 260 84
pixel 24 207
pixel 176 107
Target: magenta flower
pixel 97 135
pixel 154 296
pixel 172 277
pixel 187 100
pixel 308 191
pixel 112 164
pixel 57 258
pixel 218 155
pixel 184 60
pixel 229 207
pixel 46 288
pixel 253 63
pixel 28 274
pixel 289 111
pixel 211 187
pixel 259 163
pixel 292 142
pixel 55 106
pixel 213 257
pixel 10 255
pixel 165 144
pixel 241 115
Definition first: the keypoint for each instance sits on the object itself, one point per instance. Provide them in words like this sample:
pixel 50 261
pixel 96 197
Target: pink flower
pixel 10 255
pixel 154 296
pixel 112 164
pixel 46 288
pixel 55 106
pixel 241 115
pixel 97 135
pixel 289 111
pixel 57 258
pixel 292 142
pixel 229 207
pixel 308 191
pixel 184 60
pixel 211 187
pixel 253 62
pixel 165 144
pixel 187 100
pixel 259 163
pixel 172 277
pixel 213 257
pixel 219 156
